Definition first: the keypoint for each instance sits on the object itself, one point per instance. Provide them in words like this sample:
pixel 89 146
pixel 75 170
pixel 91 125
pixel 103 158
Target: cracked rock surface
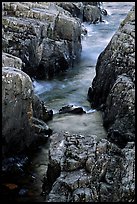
pixel 82 169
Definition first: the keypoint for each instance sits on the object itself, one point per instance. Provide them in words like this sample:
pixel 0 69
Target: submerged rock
pixel 71 109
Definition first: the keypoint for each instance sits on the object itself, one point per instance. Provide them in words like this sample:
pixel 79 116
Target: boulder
pixel 92 14
pixel 11 61
pixel 119 114
pixel 75 8
pixel 71 109
pixel 83 169
pixel 113 88
pixel 17 110
pixel 45 36
pixel 117 58
pixel 20 128
pixel 40 110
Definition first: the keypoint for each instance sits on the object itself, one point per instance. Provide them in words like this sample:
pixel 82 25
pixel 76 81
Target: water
pixel 72 86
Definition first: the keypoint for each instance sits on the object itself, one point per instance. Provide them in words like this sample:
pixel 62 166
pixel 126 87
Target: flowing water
pixel 72 86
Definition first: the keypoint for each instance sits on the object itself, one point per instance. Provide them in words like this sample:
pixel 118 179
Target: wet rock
pixel 84 30
pixel 113 87
pixel 71 109
pixel 92 14
pixel 104 12
pixel 75 8
pixel 40 110
pixel 41 128
pixel 17 110
pixel 13 168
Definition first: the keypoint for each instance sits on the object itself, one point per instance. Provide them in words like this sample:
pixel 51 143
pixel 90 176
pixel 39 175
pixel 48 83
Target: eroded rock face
pixel 84 170
pixel 75 8
pixel 22 125
pixel 17 110
pixel 45 36
pixel 11 61
pixel 119 115
pixel 113 87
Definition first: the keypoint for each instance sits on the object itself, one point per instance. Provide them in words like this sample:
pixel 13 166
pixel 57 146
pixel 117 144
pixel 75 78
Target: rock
pixel 41 128
pixel 39 109
pixel 20 127
pixel 113 88
pixel 45 36
pixel 82 195
pixel 128 178
pixel 17 110
pixel 11 61
pixel 75 8
pixel 116 59
pixel 92 14
pixel 104 173
pixel 14 167
pixel 84 30
pixel 71 109
pixel 119 115
pixel 55 58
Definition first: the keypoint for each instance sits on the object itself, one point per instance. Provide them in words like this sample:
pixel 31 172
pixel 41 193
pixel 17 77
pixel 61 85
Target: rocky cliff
pixel 113 88
pixel 39 39
pixel 82 169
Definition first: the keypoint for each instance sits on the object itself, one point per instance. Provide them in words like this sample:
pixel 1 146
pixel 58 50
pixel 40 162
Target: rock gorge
pixel 40 39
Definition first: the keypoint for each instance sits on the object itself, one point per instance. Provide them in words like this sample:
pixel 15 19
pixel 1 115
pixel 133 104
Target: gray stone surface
pixel 45 36
pixel 113 88
pixel 82 169
pixel 17 110
pixel 11 61
pixel 22 125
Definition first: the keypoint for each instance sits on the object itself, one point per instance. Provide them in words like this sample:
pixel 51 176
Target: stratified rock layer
pixel 45 36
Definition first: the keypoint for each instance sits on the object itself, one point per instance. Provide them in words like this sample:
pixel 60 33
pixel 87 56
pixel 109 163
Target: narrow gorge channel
pixel 71 88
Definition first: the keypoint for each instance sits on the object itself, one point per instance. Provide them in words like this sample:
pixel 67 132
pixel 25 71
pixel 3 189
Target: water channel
pixel 71 87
